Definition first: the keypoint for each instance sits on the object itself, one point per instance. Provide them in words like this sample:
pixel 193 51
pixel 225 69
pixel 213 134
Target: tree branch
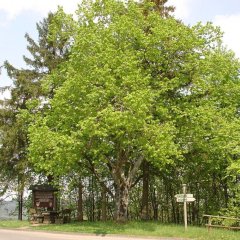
pixel 135 168
pixel 102 184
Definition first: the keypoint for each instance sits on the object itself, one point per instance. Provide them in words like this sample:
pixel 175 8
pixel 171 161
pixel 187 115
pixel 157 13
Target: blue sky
pixel 20 16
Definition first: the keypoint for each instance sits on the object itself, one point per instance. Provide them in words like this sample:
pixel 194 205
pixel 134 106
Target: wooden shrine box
pixel 44 197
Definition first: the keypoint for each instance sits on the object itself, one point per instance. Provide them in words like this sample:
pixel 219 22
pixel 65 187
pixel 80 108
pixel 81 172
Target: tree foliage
pixel 138 87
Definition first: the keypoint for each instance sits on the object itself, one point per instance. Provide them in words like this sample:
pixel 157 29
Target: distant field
pixel 8 210
pixel 131 228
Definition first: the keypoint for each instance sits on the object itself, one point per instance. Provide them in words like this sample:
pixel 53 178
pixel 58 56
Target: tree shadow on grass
pixel 131 227
pixel 112 228
pixel 101 233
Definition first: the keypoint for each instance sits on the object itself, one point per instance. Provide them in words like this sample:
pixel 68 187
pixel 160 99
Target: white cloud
pixel 228 23
pixel 183 8
pixel 15 7
pixel 230 26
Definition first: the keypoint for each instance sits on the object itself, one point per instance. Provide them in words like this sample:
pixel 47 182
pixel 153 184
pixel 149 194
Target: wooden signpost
pixel 185 198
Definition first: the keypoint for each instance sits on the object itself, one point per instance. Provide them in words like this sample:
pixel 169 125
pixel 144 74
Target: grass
pixel 13 224
pixel 135 228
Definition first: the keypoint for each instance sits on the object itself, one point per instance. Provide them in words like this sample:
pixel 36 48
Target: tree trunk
pixel 50 179
pixel 104 205
pixel 123 182
pixel 122 196
pixel 20 196
pixel 145 192
pixel 20 205
pixel 225 189
pixel 80 202
pixel 92 197
pixel 154 204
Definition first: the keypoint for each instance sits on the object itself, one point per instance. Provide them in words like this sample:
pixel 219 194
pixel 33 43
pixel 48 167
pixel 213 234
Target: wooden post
pixel 209 223
pixel 185 206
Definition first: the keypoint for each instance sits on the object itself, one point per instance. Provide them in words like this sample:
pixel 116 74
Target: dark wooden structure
pixel 44 197
pixel 44 204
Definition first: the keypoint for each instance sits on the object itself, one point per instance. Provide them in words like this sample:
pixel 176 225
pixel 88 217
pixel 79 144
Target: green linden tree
pixel 131 83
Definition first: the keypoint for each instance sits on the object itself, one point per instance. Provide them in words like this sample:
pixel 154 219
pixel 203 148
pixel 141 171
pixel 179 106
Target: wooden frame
pixel 211 218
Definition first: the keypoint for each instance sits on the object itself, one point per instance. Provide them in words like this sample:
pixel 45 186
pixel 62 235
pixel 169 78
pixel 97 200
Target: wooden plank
pixel 223 217
pixel 222 226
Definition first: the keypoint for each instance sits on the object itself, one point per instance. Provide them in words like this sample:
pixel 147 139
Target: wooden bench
pixel 222 222
pixel 64 216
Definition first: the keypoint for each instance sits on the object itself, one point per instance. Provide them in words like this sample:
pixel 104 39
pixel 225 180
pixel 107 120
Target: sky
pixel 18 17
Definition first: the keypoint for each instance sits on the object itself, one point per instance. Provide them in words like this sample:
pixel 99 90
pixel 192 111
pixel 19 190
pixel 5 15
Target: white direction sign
pixel 183 195
pixel 192 199
pixel 185 198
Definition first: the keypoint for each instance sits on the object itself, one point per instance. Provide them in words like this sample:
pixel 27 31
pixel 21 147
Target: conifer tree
pixel 46 54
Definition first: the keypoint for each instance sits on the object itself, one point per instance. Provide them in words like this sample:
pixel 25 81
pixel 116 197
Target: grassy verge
pixel 133 228
pixel 13 224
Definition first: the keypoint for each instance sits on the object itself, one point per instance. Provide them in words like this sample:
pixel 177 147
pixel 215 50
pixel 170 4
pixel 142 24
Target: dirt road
pixel 33 235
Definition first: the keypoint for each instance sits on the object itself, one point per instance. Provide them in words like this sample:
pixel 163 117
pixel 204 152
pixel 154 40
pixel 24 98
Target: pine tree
pixel 46 54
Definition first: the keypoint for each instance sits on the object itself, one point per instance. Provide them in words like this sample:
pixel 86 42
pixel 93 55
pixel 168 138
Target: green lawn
pixel 13 224
pixel 133 228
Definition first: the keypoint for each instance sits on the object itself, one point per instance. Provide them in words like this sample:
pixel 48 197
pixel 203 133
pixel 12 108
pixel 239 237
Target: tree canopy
pixel 138 87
